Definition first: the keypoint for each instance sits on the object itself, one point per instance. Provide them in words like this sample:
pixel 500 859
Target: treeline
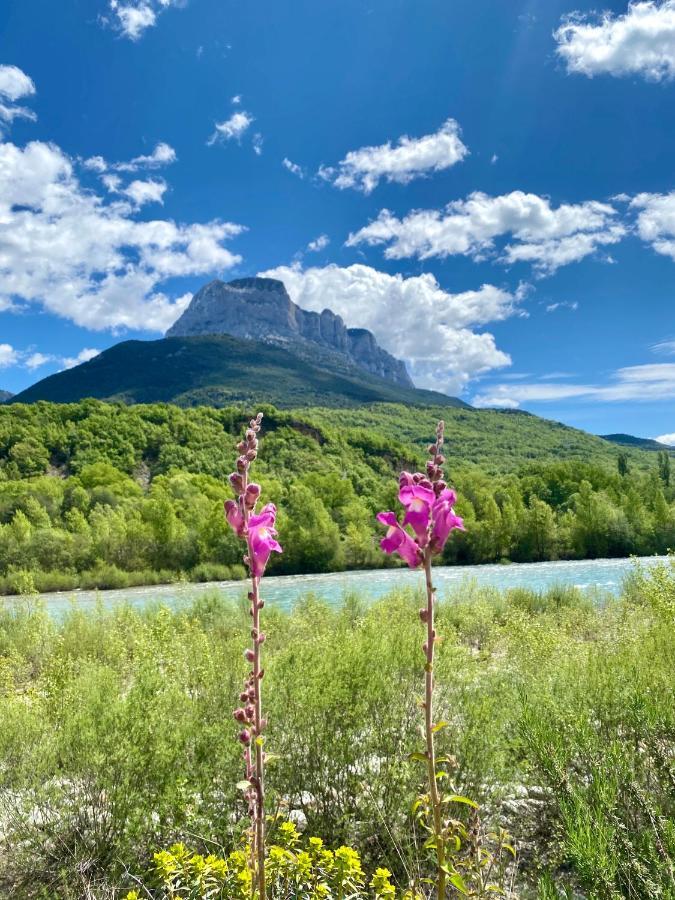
pixel 93 494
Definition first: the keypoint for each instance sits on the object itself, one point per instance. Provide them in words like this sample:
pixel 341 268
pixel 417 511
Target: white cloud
pixel 36 360
pixel 134 17
pixel 562 304
pixel 14 85
pixel 233 128
pixel 667 439
pixel 639 42
pixel 162 155
pixel 647 382
pixel 408 159
pixel 540 234
pixel 8 356
pixel 89 259
pixel 69 362
pixel 413 318
pixel 293 168
pixel 656 221
pixel 257 141
pixel 318 244
pixel 236 100
pixel 142 192
pixel 665 347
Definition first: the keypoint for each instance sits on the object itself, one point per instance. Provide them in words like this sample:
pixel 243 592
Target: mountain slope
pixel 5 395
pixel 629 440
pixel 218 370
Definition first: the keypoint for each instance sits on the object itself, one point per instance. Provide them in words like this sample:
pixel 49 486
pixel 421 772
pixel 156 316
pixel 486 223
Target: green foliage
pixel 111 496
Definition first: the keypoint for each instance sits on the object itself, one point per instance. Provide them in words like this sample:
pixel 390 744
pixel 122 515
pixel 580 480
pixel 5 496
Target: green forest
pixel 105 495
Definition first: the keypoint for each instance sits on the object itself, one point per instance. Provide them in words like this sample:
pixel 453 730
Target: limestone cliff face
pixel 260 309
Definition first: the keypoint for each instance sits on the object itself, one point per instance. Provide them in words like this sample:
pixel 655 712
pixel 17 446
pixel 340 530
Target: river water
pixel 602 575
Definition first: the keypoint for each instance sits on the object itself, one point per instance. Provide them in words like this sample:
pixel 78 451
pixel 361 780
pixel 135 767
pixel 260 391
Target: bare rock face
pixel 260 309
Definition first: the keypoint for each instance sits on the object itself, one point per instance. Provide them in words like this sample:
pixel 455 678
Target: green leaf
pixel 457 798
pixel 457 882
pixel 439 725
pixel 420 757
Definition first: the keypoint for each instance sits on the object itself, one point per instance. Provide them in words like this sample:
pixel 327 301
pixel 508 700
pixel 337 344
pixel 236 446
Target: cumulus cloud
pixel 639 42
pixel 139 192
pixel 402 162
pixel 318 244
pixel 545 236
pixel 87 258
pixel 397 309
pixel 69 362
pixel 647 382
pixel 14 85
pixel 667 439
pixel 133 17
pixel 8 356
pixel 232 128
pixel 656 221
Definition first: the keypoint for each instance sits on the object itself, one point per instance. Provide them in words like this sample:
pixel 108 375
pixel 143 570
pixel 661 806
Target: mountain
pixel 5 395
pixel 260 309
pixel 628 440
pixel 219 370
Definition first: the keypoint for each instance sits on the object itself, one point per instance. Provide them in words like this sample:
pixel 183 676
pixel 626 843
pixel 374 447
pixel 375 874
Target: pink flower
pixel 417 496
pixel 262 539
pixel 234 516
pixel 397 540
pixel 444 519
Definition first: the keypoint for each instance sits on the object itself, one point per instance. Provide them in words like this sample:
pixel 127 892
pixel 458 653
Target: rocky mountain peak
pixel 261 309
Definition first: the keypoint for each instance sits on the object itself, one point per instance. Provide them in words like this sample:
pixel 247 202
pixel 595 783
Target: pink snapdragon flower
pixel 262 538
pixel 235 517
pixel 429 512
pixel 397 540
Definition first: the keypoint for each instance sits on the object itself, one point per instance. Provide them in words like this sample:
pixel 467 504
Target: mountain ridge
pixel 220 370
pixel 261 309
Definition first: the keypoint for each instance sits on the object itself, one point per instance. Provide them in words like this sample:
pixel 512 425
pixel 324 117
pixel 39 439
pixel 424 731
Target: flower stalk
pixel 258 530
pixel 428 522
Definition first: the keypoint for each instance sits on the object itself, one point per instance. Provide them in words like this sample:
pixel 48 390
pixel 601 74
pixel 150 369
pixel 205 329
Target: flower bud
pixel 242 464
pixel 251 455
pixel 245 736
pixel 236 482
pixel 249 655
pixel 243 696
pixel 240 715
pixel 250 712
pixel 262 637
pixel 261 674
pixel 424 615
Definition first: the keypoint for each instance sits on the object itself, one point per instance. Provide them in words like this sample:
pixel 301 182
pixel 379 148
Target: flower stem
pixel 434 795
pixel 258 760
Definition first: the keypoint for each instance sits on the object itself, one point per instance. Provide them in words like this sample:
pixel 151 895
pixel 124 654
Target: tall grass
pixel 116 735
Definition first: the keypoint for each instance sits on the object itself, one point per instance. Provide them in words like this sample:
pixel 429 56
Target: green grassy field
pixel 118 739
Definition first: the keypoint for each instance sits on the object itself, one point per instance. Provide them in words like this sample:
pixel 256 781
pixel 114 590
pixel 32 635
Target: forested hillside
pixel 102 494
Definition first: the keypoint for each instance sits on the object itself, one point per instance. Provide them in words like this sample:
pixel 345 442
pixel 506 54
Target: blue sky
pixel 486 186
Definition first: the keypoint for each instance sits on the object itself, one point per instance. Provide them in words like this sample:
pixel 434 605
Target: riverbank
pixel 601 576
pixel 117 735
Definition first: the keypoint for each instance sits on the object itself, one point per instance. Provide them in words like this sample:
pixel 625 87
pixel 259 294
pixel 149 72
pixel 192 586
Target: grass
pixel 118 739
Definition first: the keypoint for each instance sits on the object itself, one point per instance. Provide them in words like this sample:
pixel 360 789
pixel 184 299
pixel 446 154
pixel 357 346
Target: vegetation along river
pixel 604 576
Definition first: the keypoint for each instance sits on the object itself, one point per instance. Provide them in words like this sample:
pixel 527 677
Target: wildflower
pixel 262 539
pixel 397 540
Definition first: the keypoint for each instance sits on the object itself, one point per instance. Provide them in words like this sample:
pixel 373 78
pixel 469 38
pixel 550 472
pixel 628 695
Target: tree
pixel 664 466
pixel 622 464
